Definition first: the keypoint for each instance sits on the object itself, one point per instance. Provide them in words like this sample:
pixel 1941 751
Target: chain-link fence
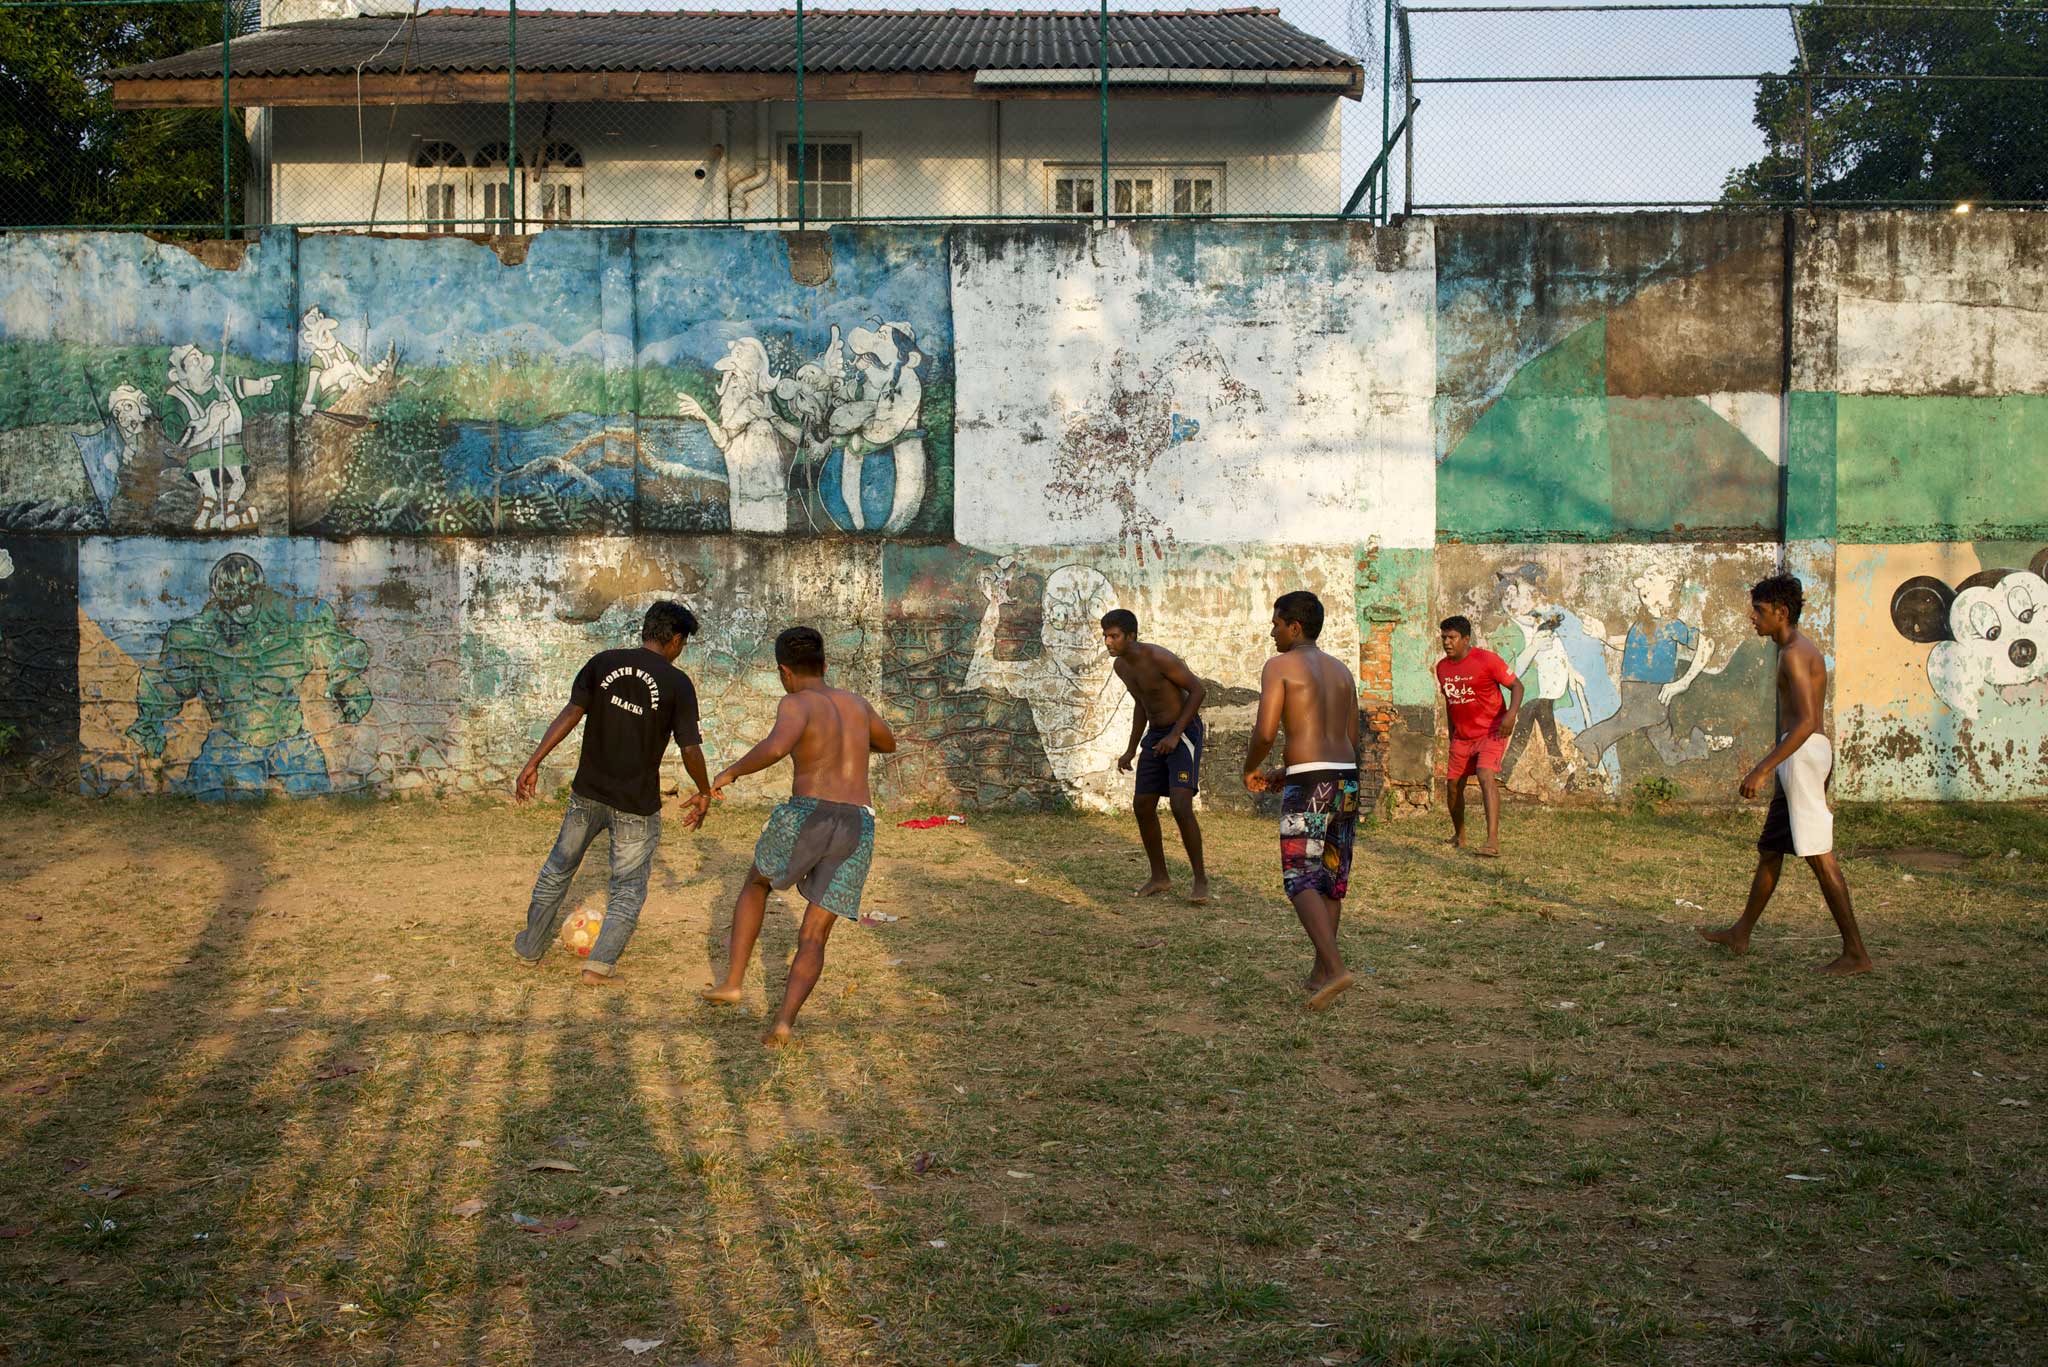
pixel 1756 105
pixel 213 116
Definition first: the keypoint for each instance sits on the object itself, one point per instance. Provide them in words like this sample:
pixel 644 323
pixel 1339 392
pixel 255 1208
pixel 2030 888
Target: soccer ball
pixel 579 932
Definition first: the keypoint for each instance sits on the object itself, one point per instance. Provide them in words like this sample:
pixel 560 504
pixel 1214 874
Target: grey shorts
pixel 822 849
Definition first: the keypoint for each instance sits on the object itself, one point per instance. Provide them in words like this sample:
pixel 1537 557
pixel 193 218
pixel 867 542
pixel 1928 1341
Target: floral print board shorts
pixel 1318 822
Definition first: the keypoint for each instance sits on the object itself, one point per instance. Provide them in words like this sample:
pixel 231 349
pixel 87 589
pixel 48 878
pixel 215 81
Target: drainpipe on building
pixel 763 167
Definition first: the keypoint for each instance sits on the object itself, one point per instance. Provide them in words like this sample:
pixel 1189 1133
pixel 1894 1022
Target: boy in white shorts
pixel 1799 821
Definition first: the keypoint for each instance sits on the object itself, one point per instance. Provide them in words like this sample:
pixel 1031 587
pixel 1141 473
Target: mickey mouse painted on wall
pixel 1989 632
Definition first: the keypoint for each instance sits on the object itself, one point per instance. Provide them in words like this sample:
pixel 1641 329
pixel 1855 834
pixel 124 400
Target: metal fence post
pixel 803 167
pixel 1376 208
pixel 1806 124
pixel 1408 99
pixel 227 38
pixel 515 212
pixel 1102 206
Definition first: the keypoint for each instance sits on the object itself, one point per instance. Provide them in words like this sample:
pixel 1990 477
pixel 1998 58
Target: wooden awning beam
pixel 645 87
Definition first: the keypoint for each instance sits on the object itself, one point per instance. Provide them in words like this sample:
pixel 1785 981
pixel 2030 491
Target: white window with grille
pixel 439 187
pixel 498 186
pixel 1073 192
pixel 830 174
pixel 1136 190
pixel 557 196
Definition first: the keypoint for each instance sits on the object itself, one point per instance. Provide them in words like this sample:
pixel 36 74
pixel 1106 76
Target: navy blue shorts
pixel 1178 772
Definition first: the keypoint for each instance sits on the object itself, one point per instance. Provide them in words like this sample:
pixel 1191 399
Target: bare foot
pixel 1489 850
pixel 590 979
pixel 1330 991
pixel 1847 966
pixel 1199 893
pixel 1457 840
pixel 777 1036
pixel 720 996
pixel 1153 887
pixel 1735 941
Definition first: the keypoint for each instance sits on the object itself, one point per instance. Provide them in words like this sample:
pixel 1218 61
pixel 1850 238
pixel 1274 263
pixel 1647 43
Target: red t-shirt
pixel 1471 689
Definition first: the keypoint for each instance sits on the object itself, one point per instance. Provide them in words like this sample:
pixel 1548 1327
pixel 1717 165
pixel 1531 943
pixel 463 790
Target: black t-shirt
pixel 633 701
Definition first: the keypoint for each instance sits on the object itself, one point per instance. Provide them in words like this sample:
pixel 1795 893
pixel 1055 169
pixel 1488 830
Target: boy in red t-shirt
pixel 1471 680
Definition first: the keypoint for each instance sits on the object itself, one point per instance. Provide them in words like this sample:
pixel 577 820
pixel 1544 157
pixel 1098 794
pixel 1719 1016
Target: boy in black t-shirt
pixel 631 702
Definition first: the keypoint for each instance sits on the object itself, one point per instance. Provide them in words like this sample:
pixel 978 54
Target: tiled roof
pixel 455 40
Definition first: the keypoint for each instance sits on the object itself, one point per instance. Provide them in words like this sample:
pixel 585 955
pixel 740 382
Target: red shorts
pixel 1470 756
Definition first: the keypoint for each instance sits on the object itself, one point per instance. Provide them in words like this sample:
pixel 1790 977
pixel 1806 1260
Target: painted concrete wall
pixel 323 513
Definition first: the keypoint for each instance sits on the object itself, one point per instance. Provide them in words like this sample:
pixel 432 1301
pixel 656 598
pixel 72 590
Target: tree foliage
pixel 1942 140
pixel 68 157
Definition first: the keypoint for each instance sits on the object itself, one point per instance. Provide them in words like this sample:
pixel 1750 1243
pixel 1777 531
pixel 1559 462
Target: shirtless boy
pixel 1471 679
pixel 1799 821
pixel 822 839
pixel 1313 696
pixel 1166 726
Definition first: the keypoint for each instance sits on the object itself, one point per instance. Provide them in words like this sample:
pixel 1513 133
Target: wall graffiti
pixel 1636 661
pixel 794 384
pixel 145 385
pixel 489 405
pixel 264 666
pixel 1193 385
pixel 997 676
pixel 331 513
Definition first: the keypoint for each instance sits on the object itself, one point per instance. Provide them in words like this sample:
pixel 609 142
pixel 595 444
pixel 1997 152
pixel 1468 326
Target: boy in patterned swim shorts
pixel 822 839
pixel 1312 694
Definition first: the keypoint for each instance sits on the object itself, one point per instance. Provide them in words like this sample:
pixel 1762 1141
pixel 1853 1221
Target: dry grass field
pixel 277 1091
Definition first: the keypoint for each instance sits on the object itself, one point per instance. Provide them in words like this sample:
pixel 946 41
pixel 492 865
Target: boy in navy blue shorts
pixel 1166 741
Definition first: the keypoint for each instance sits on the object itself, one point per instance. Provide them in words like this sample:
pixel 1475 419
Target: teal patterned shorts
pixel 822 849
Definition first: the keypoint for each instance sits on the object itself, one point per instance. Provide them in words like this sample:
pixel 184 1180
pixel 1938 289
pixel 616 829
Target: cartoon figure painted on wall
pixel 1071 685
pixel 1989 633
pixel 833 423
pixel 209 438
pixel 333 369
pixel 246 656
pixel 108 451
pixel 1649 652
pixel 1529 641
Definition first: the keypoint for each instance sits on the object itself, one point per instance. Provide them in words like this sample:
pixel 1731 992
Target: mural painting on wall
pixel 1605 379
pixel 1942 690
pixel 38 662
pixel 998 681
pixel 286 667
pixel 1635 661
pixel 1989 634
pixel 532 613
pixel 147 391
pixel 1189 385
pixel 446 391
pixel 794 383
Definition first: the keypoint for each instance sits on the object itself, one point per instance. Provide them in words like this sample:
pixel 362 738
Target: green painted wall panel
pixel 1810 467
pixel 1936 468
pixel 1681 467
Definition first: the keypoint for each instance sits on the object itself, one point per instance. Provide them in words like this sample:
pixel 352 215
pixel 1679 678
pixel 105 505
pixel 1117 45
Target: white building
pixel 357 116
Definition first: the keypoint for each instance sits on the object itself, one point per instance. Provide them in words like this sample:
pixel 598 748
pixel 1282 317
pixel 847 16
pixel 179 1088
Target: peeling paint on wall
pixel 1193 384
pixel 267 666
pixel 999 685
pixel 1637 661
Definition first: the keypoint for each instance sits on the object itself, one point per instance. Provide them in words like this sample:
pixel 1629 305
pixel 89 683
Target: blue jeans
pixel 634 839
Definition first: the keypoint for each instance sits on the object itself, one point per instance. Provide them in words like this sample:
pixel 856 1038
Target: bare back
pixel 1318 706
pixel 831 752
